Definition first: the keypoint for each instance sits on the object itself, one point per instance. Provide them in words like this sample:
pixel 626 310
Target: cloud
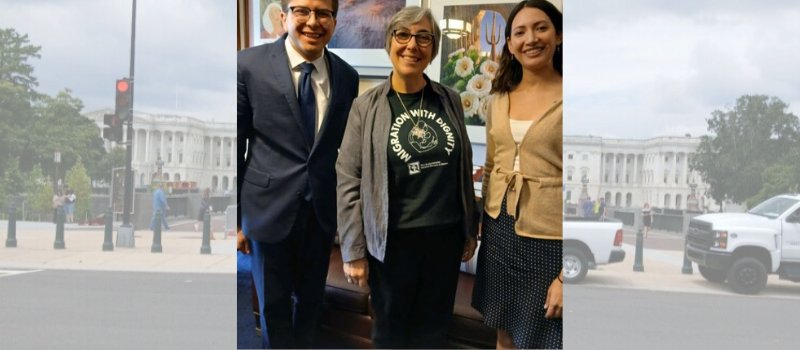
pixel 646 69
pixel 184 46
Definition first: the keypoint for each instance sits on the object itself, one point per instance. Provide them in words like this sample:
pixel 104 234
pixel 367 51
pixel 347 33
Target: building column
pixel 233 153
pixel 624 168
pixel 674 167
pixel 221 156
pixel 161 148
pixel 685 169
pixel 172 149
pixel 147 146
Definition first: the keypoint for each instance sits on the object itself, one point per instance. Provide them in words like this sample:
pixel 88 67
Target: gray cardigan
pixel 362 172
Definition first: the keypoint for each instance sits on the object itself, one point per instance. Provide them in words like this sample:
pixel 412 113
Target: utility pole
pixel 125 236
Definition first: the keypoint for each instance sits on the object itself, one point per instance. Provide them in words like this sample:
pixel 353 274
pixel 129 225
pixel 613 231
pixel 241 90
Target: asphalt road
pixel 608 318
pixel 117 310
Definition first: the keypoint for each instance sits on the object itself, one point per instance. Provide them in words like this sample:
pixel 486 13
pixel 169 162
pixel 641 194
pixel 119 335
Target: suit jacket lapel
pixel 280 61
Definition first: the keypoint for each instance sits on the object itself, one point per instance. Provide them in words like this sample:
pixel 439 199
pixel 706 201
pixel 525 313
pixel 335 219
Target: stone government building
pixel 192 150
pixel 630 172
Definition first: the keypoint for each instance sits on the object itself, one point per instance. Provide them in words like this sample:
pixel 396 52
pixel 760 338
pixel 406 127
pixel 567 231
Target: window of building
pixel 585 157
pixel 569 156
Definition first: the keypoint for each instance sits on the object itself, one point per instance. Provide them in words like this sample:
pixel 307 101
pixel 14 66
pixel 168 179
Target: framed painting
pixel 360 34
pixel 266 21
pixel 473 36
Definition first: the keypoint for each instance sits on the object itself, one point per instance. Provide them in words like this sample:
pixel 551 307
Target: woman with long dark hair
pixel 519 283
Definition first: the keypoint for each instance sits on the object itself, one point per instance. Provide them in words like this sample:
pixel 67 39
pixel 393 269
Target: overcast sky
pixel 185 52
pixel 640 69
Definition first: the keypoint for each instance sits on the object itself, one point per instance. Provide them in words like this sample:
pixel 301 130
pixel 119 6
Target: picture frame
pixel 265 24
pixel 371 63
pixel 470 33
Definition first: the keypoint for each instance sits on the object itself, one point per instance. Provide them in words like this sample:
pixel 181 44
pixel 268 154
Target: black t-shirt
pixel 423 153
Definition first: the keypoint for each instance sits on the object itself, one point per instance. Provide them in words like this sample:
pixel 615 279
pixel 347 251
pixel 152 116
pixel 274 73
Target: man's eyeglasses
pixel 303 13
pixel 403 37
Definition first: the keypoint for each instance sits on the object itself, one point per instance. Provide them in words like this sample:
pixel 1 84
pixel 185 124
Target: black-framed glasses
pixel 423 39
pixel 303 13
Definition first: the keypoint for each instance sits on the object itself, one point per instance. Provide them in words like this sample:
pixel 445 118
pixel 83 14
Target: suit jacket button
pixel 299 193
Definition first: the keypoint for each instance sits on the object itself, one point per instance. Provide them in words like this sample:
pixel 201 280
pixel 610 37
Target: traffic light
pixel 123 106
pixel 113 131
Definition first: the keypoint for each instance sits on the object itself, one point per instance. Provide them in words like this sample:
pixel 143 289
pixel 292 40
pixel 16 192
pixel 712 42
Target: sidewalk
pixel 84 250
pixel 662 272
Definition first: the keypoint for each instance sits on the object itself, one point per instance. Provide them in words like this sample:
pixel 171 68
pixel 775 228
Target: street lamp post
pixel 160 165
pixel 57 180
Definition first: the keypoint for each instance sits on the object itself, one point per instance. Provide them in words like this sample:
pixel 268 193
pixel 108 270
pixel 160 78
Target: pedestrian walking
pixel 159 203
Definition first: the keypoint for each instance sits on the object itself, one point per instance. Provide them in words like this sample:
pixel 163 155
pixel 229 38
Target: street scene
pixel 128 298
pixel 662 308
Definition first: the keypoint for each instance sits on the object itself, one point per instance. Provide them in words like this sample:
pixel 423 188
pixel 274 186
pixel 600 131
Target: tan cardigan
pixel 535 191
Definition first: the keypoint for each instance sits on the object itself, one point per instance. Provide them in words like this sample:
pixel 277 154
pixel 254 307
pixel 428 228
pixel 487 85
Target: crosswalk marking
pixel 7 273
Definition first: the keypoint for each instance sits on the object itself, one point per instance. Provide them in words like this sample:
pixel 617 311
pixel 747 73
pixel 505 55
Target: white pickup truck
pixel 743 248
pixel 589 242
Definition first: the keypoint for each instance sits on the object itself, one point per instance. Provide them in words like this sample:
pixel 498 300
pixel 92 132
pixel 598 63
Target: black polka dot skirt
pixel 512 279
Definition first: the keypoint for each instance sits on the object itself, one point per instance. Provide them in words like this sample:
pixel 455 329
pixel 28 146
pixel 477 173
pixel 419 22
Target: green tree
pixel 17 93
pixel 59 126
pixel 41 200
pixel 34 126
pixel 744 141
pixel 78 180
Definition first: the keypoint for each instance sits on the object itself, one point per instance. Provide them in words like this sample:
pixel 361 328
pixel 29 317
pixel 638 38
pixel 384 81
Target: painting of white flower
pixel 470 54
pixel 489 68
pixel 480 85
pixel 470 101
pixel 464 66
pixel 483 108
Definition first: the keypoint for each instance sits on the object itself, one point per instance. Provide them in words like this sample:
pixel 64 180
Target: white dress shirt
pixel 321 82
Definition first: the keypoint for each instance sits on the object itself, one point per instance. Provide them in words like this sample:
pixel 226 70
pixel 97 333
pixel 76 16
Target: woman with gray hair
pixel 406 206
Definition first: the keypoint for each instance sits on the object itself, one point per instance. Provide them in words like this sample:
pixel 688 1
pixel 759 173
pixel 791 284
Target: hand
pixel 357 272
pixel 469 249
pixel 555 302
pixel 242 244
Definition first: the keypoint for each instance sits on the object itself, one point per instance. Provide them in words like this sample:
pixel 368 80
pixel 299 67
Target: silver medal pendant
pixel 418 131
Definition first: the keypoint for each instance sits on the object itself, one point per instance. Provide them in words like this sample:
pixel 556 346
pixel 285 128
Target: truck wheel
pixel 575 265
pixel 747 276
pixel 711 275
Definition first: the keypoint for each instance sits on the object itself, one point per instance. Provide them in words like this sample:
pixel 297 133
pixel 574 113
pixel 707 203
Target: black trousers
pixel 290 282
pixel 414 288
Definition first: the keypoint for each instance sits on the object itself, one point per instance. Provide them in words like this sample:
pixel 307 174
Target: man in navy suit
pixel 293 99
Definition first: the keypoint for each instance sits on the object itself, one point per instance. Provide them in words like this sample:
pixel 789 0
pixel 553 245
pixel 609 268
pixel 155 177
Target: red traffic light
pixel 122 85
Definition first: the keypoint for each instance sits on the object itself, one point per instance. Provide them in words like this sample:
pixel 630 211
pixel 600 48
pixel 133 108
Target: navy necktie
pixel 308 103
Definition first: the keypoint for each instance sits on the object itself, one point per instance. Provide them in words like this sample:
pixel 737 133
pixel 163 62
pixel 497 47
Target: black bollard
pixel 60 217
pixel 206 247
pixel 687 264
pixel 11 240
pixel 156 248
pixel 638 266
pixel 107 245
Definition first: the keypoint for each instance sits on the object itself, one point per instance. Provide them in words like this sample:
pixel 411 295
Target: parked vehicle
pixel 743 248
pixel 588 243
